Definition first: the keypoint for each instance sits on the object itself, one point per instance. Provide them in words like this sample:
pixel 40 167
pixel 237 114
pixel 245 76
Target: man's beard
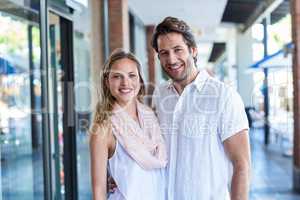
pixel 185 74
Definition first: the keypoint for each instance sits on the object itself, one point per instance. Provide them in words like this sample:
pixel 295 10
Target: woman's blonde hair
pixel 106 100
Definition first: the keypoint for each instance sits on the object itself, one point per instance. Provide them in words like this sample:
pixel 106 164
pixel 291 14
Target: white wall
pixel 225 65
pixel 244 60
pixel 231 55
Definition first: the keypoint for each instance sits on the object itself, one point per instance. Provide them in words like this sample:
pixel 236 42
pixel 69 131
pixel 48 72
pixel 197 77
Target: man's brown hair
pixel 172 24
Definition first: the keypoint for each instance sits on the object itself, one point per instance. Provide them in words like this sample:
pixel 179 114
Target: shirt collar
pixel 199 81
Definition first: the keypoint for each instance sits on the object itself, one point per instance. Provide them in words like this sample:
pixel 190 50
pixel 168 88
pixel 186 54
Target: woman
pixel 125 135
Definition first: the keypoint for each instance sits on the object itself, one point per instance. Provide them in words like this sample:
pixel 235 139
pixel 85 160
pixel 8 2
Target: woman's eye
pixel 132 75
pixel 116 76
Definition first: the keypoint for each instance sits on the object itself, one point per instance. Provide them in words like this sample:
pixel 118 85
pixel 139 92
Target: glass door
pixel 56 104
pixel 61 106
pixel 21 146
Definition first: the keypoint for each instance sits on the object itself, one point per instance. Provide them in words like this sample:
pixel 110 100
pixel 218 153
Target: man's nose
pixel 172 58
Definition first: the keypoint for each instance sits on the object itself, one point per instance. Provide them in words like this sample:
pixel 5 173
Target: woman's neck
pixel 130 108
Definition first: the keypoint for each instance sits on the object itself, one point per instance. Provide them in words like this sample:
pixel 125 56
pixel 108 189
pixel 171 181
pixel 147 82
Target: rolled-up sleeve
pixel 233 118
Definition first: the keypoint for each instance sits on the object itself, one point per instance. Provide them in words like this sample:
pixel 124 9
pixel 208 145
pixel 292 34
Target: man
pixel 203 121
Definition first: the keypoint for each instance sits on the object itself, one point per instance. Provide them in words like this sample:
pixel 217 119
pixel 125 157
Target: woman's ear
pixel 106 83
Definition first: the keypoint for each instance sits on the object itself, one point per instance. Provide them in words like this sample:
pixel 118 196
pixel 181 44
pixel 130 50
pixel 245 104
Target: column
pixel 98 46
pixel 295 13
pixel 266 22
pixel 118 24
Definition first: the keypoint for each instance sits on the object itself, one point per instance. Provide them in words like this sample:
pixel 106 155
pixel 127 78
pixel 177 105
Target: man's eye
pixel 163 53
pixel 178 50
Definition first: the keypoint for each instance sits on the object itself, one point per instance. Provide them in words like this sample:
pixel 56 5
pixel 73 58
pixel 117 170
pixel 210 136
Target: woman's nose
pixel 125 81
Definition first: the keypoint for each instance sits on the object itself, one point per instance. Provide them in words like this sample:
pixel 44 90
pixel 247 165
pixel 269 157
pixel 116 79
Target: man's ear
pixel 194 51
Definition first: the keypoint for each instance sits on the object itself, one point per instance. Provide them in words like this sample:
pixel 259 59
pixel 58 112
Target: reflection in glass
pixel 20 103
pixel 82 80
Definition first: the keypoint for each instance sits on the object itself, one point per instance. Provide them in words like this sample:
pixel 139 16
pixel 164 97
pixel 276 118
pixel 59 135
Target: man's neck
pixel 179 86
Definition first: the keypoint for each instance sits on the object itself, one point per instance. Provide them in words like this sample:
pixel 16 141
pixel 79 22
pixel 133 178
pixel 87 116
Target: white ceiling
pixel 204 16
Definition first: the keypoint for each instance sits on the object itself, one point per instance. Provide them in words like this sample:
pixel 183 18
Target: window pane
pixel 82 80
pixel 20 102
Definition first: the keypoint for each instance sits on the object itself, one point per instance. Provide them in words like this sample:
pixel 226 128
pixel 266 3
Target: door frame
pixel 69 119
pixel 69 130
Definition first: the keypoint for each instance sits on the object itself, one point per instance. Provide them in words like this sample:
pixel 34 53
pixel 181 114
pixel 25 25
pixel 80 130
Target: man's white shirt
pixel 195 124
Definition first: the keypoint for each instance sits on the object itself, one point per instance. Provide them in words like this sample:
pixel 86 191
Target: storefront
pixel 45 100
pixel 280 86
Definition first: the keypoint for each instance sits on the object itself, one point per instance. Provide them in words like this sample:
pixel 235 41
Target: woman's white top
pixel 134 182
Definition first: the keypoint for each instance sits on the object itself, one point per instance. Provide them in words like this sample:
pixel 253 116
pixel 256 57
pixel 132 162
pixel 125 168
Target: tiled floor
pixel 22 175
pixel 271 171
